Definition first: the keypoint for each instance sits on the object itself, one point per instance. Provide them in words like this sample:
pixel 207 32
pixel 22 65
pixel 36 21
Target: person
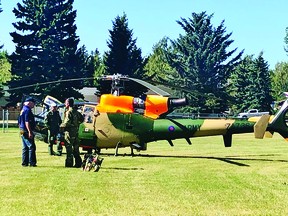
pixel 53 120
pixel 27 126
pixel 70 126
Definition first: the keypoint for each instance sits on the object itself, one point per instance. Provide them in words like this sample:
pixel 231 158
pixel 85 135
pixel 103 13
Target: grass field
pixel 251 178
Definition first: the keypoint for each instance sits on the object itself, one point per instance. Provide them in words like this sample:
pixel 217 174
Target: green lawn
pixel 251 178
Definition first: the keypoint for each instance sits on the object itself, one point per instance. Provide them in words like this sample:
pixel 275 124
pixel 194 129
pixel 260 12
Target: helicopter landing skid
pixel 117 147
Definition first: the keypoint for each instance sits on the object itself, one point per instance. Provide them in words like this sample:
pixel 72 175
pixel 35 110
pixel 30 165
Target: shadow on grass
pixel 119 168
pixel 231 159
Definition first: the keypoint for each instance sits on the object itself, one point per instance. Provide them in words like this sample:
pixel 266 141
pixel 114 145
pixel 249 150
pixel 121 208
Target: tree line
pixel 199 64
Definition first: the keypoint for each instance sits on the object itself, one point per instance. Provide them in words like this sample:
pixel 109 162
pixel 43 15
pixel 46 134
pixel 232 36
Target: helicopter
pixel 120 120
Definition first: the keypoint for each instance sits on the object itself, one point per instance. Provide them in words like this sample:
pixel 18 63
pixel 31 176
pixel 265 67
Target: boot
pixel 78 162
pixel 68 163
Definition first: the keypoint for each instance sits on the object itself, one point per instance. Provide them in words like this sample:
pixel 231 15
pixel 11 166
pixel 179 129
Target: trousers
pixel 72 150
pixel 28 150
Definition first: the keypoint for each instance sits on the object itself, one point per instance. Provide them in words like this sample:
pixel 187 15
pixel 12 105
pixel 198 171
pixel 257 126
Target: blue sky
pixel 255 25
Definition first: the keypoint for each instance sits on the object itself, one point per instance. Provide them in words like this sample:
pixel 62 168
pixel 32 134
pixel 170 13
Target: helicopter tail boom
pixel 170 129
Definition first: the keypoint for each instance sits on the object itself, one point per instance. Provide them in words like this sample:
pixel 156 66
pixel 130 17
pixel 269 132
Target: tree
pixel 86 65
pixel 262 86
pixel 46 49
pixel 1 46
pixel 250 84
pixel 5 67
pixel 157 64
pixel 286 40
pixel 203 62
pixel 279 78
pixel 123 56
pixel 99 68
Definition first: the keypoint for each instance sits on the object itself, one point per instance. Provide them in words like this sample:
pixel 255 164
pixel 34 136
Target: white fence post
pixel 5 114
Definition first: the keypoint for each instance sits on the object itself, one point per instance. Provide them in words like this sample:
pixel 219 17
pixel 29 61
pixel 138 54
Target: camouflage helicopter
pixel 120 120
pixel 126 121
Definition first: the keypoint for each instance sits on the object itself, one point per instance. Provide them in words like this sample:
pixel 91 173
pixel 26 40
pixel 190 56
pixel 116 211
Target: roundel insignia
pixel 171 128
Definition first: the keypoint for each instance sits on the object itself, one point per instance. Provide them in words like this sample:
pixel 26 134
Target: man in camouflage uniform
pixel 70 126
pixel 52 121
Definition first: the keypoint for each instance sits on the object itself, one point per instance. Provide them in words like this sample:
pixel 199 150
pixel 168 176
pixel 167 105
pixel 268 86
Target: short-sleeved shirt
pixel 26 115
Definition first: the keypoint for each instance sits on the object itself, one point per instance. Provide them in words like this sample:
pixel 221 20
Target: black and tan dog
pixel 92 162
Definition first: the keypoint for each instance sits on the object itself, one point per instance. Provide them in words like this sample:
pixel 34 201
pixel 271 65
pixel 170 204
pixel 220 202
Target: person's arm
pixel 67 122
pixel 30 133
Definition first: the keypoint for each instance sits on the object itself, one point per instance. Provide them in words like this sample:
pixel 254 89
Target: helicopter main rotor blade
pixel 46 83
pixel 153 88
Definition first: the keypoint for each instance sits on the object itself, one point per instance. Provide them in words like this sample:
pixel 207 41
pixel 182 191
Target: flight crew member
pixel 27 126
pixel 52 121
pixel 70 126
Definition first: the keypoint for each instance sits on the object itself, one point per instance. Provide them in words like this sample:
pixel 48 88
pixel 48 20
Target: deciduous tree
pixel 279 78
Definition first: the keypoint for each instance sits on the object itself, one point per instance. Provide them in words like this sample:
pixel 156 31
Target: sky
pixel 256 25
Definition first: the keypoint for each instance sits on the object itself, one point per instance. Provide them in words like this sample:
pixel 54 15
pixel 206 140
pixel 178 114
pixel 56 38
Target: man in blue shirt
pixel 27 126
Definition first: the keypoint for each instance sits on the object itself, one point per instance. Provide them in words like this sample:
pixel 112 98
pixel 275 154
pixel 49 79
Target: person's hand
pixel 30 135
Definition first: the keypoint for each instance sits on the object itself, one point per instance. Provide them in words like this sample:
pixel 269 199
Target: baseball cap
pixel 30 99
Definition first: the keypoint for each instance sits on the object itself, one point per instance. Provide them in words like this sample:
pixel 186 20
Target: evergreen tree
pixel 123 56
pixel 99 68
pixel 203 62
pixel 86 65
pixel 250 85
pixel 263 83
pixel 98 64
pixel 46 49
pixel 239 84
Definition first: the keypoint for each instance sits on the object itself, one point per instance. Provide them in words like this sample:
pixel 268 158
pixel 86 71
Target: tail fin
pixel 261 126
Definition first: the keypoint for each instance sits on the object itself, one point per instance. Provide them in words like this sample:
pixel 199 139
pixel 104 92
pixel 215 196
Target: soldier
pixel 27 125
pixel 52 121
pixel 70 126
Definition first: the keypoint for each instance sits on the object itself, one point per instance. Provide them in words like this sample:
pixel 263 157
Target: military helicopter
pixel 121 120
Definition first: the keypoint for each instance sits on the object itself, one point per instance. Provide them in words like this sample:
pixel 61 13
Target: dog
pixel 92 162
